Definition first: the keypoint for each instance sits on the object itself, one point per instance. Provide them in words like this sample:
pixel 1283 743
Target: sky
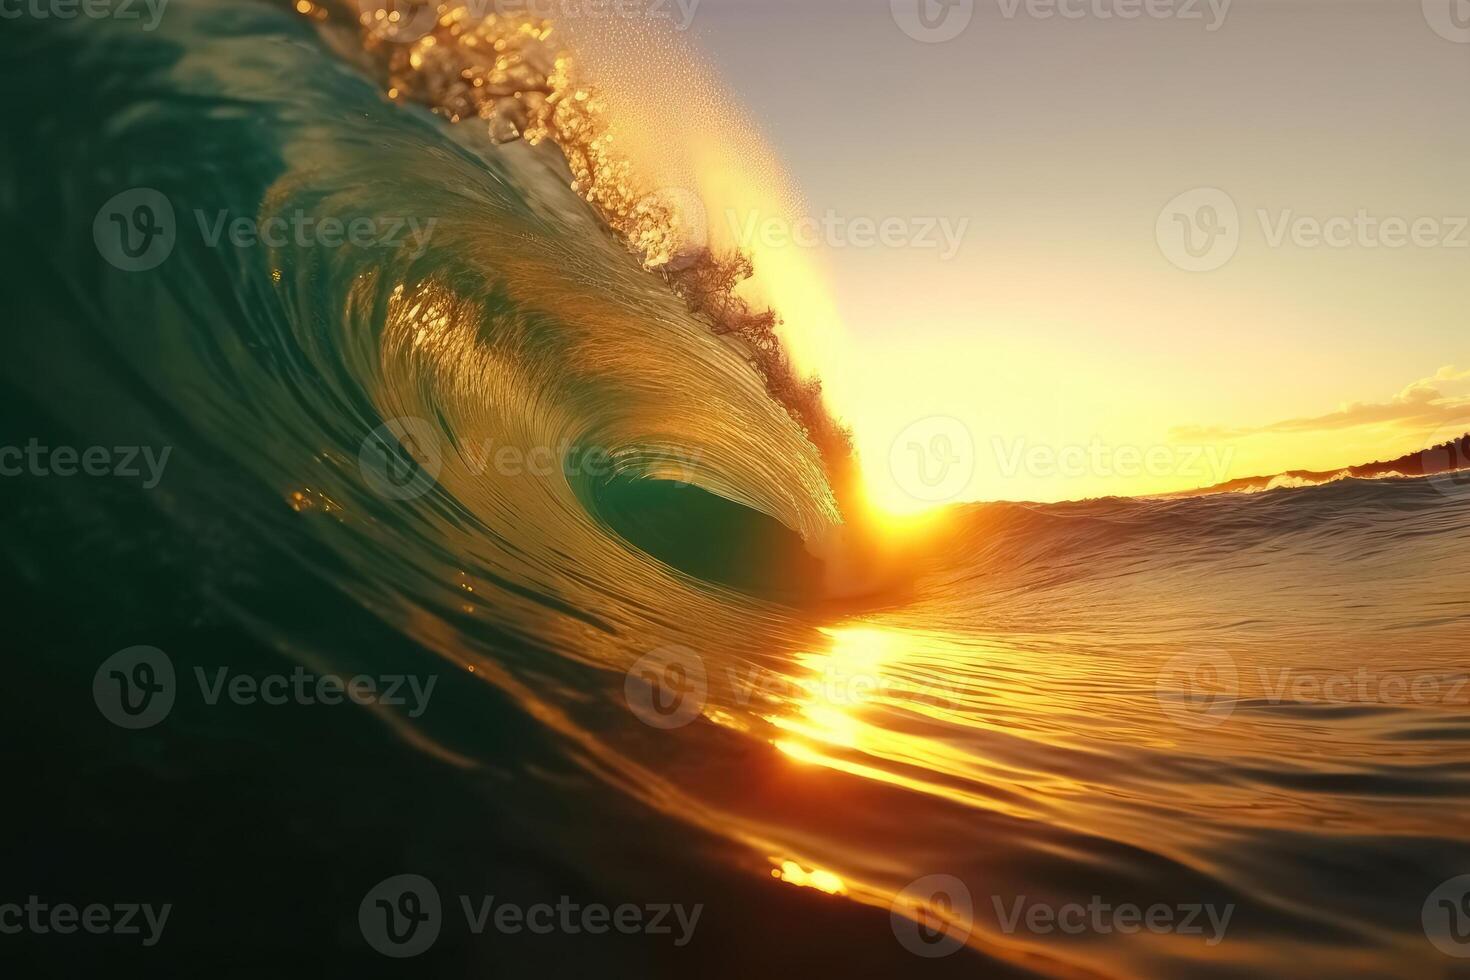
pixel 1070 256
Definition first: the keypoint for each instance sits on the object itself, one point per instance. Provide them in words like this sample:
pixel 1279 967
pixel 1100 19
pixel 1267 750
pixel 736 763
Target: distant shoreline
pixel 1443 458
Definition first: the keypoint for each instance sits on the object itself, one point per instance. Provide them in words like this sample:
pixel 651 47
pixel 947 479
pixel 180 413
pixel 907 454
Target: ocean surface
pixel 494 450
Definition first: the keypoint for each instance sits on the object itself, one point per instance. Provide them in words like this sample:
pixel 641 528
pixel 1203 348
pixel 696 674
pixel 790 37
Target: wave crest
pixel 513 74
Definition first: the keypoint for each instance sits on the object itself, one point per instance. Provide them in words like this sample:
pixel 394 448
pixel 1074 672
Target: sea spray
pixel 514 75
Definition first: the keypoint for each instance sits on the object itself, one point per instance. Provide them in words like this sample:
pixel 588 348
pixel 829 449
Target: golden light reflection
pixel 839 682
pixel 861 709
pixel 823 881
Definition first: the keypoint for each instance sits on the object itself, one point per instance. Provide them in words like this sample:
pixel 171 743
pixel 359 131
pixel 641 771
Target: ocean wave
pixel 496 445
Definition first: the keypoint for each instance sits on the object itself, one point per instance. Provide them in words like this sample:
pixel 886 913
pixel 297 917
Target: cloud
pixel 1429 404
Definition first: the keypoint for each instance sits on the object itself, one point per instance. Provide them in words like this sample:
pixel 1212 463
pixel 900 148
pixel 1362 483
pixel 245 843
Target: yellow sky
pixel 1053 259
pixel 1072 341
